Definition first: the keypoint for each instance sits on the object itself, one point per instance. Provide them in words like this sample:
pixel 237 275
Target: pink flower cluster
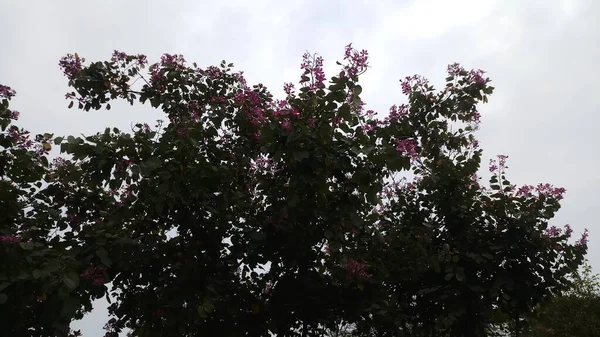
pixel 172 60
pixel 357 107
pixel 456 69
pixel 118 56
pixel 407 147
pixel 288 88
pixel 314 75
pixel 9 239
pixel 212 72
pixel 553 231
pixel 283 108
pixel 546 190
pixel 410 82
pixel 121 59
pixel 357 61
pixel 253 104
pixel 14 115
pixel 21 137
pixel 499 164
pixel 261 163
pixel 6 92
pixel 357 269
pixel 477 76
pixel 584 238
pixel 397 112
pixel 95 274
pixel 70 65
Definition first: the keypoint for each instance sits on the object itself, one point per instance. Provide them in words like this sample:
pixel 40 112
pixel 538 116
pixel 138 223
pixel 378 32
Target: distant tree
pixel 244 215
pixel 575 313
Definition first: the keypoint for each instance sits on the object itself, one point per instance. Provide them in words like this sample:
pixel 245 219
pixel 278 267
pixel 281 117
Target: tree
pixel 247 215
pixel 575 313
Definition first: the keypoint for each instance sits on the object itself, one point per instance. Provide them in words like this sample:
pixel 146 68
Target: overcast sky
pixel 541 55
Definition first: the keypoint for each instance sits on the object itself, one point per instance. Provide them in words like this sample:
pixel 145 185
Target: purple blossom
pixel 455 69
pixel 553 231
pixel 14 115
pixel 70 65
pixel 357 269
pixel 172 60
pixel 493 167
pixel 119 57
pixel 477 76
pixel 213 72
pixel 313 66
pixel 368 128
pixel 584 238
pixel 411 82
pixel 358 61
pixel 6 92
pixel 568 230
pixel 397 112
pixel 407 147
pixel 288 88
pixel 95 274
pixel 9 239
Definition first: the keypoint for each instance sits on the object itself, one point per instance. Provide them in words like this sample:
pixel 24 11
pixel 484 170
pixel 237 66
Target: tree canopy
pixel 245 215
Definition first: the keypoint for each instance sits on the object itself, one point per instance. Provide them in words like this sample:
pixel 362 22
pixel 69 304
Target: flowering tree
pixel 248 215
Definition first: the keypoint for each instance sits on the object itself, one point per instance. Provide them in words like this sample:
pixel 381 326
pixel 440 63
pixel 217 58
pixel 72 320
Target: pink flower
pixel 525 190
pixel 368 128
pixel 10 239
pixel 584 238
pixel 553 231
pixel 95 274
pixel 357 269
pixel 119 57
pixel 568 230
pixel 70 65
pixel 411 82
pixel 213 72
pixel 288 88
pixel 358 61
pixel 286 125
pixel 455 69
pixel 493 167
pixel 397 112
pixel 313 71
pixel 477 76
pixel 14 115
pixel 6 92
pixel 407 147
pixel 172 60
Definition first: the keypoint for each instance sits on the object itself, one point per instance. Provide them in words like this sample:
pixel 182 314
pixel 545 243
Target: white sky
pixel 541 54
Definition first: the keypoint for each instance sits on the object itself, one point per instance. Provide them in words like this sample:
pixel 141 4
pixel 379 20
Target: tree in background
pixel 575 313
pixel 247 215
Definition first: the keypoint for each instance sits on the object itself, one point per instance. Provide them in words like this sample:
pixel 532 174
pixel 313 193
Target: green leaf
pixel 357 90
pixel 70 307
pixel 71 280
pixel 103 255
pixel 26 245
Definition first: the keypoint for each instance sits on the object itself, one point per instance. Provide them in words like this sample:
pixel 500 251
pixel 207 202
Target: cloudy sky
pixel 541 55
